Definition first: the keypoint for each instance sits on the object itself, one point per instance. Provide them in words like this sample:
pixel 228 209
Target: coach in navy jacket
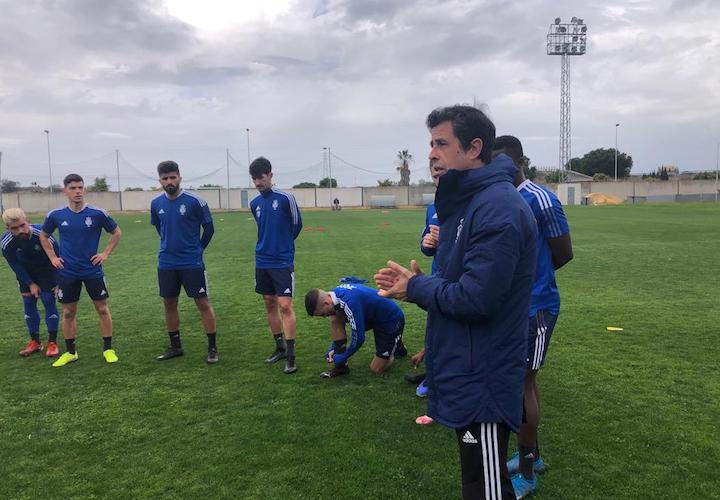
pixel 476 332
pixel 477 303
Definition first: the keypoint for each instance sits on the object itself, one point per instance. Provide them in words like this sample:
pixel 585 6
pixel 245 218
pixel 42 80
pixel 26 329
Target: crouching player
pixel 36 276
pixel 363 309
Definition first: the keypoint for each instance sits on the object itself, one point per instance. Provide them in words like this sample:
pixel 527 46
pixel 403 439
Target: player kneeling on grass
pixel 35 275
pixel 363 309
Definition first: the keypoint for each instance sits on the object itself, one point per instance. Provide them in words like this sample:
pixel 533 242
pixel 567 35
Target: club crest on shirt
pixel 183 209
pixel 37 247
pixel 275 204
pixel 88 221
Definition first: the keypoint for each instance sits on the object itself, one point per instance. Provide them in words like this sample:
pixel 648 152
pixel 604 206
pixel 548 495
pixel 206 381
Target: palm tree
pixel 404 158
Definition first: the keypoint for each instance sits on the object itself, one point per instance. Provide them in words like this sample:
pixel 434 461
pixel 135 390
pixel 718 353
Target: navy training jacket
pixel 477 303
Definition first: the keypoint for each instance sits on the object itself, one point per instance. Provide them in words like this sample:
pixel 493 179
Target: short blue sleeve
pixel 49 225
pixel 552 222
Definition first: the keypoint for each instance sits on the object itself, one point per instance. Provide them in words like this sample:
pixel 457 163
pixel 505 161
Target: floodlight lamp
pixel 581 21
pixel 583 29
pixel 573 20
pixel 557 20
pixel 557 48
pixel 562 29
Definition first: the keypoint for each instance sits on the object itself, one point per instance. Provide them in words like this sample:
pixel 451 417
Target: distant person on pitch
pixel 336 204
pixel 179 217
pixel 35 275
pixel 80 264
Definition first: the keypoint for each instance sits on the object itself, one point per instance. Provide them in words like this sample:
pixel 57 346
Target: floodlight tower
pixel 565 40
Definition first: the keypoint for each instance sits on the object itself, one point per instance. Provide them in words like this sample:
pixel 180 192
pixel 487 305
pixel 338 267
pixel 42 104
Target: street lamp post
pixel 47 135
pixel 2 209
pixel 717 169
pixel 248 152
pixel 616 151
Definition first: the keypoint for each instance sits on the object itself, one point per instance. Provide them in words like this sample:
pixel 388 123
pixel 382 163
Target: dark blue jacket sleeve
pixel 17 267
pixel 294 215
pixel 488 268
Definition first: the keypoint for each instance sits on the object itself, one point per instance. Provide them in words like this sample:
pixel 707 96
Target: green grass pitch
pixel 625 415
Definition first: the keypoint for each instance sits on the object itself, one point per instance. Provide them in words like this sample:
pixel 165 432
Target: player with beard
pixel 35 275
pixel 178 217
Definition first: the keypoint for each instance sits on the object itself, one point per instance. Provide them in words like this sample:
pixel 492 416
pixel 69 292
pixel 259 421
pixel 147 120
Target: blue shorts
pixel 540 328
pixel 194 281
pixel 68 289
pixel 387 338
pixel 277 282
pixel 46 279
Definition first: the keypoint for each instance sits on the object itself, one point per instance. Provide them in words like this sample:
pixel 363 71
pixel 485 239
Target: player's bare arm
pixel 56 261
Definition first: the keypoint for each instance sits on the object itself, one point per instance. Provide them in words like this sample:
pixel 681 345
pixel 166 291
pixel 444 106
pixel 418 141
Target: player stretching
pixel 363 309
pixel 79 263
pixel 554 250
pixel 178 216
pixel 279 223
pixel 35 275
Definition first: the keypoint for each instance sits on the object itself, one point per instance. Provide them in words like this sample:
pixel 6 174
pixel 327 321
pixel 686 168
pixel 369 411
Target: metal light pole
pixel 47 135
pixel 717 169
pixel 330 175
pixel 566 39
pixel 227 166
pixel 1 189
pixel 117 168
pixel 248 152
pixel 616 150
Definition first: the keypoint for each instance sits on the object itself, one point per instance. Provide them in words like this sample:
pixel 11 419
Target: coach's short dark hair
pixel 72 178
pixel 167 166
pixel 511 146
pixel 311 301
pixel 260 166
pixel 468 123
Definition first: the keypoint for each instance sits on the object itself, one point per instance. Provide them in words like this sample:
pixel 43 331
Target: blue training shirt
pixel 430 218
pixel 178 221
pixel 278 219
pixel 364 309
pixel 27 255
pixel 79 238
pixel 551 223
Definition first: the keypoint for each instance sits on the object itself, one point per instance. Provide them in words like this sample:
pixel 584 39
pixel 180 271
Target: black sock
pixel 70 345
pixel 290 348
pixel 175 339
pixel 107 343
pixel 35 337
pixel 211 341
pixel 279 342
pixel 52 336
pixel 527 462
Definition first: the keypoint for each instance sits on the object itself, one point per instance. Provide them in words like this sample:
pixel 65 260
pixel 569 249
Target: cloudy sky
pixel 184 79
